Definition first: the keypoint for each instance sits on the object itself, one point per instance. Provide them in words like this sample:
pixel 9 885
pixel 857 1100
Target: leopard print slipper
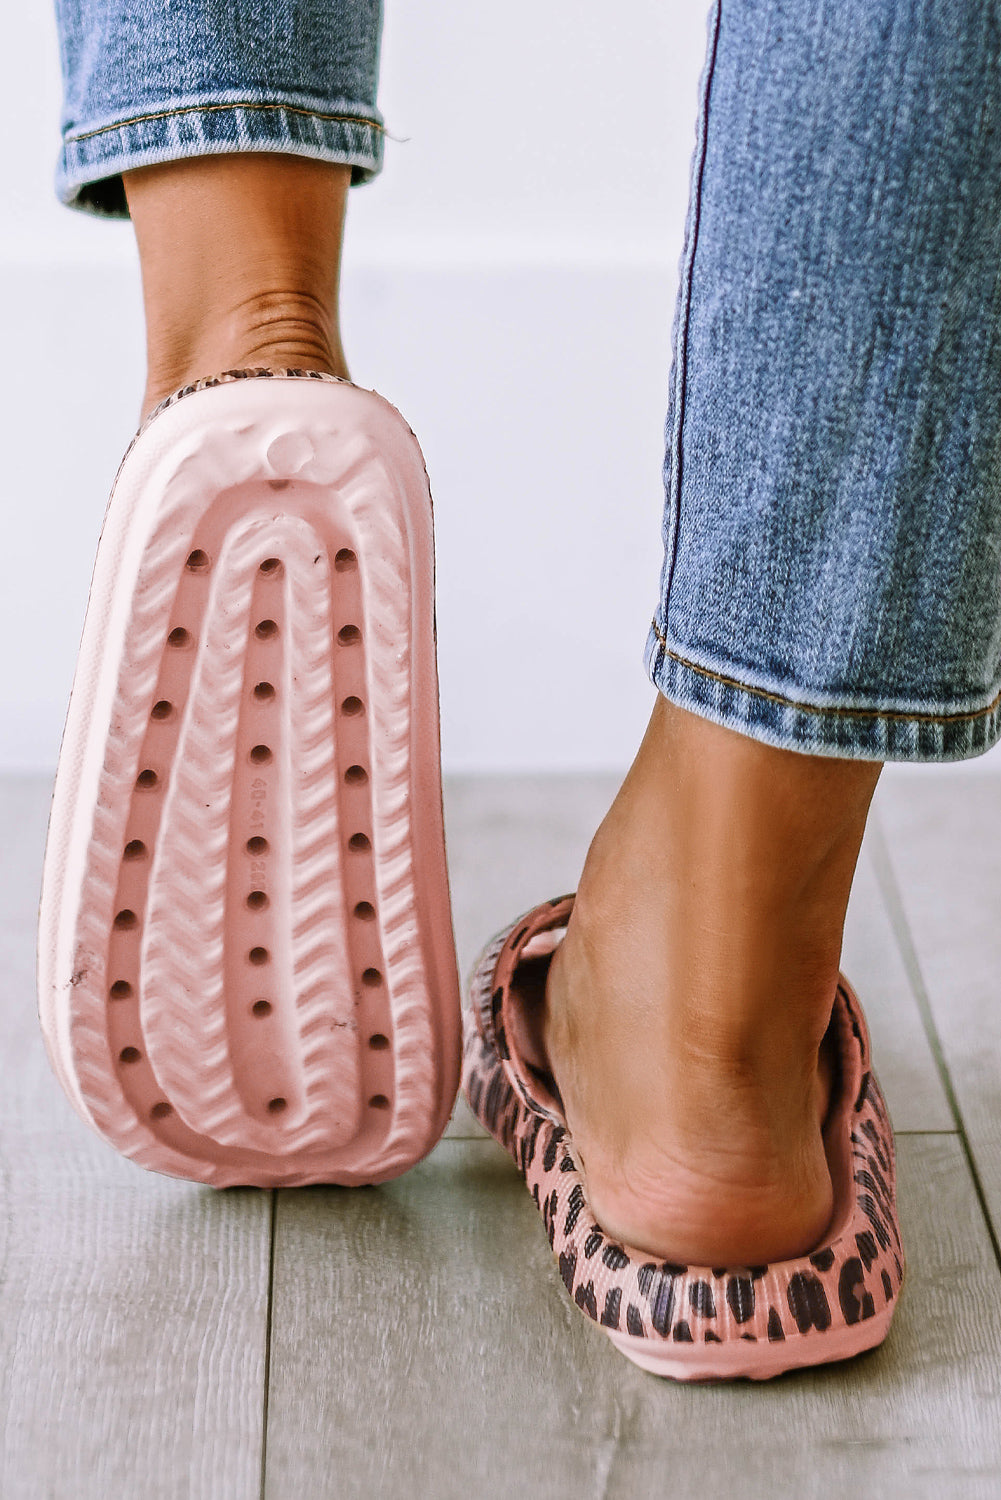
pixel 245 956
pixel 695 1322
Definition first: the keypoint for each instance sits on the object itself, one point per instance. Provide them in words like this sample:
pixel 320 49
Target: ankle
pixel 731 985
pixel 707 1155
pixel 264 329
pixel 641 1043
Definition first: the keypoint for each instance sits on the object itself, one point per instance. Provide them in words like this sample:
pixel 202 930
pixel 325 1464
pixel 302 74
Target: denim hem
pixel 855 732
pixel 88 176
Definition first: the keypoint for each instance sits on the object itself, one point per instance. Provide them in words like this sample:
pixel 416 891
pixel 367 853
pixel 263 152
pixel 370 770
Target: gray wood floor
pixel 163 1340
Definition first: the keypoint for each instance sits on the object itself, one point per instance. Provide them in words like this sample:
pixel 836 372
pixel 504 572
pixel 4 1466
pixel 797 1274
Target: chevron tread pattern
pixel 312 1052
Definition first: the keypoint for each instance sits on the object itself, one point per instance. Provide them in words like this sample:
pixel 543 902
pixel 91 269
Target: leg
pixel 687 1004
pixel 829 602
pixel 237 190
pixel 240 262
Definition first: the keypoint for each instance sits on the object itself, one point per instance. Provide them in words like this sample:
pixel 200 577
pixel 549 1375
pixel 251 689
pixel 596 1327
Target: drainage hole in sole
pixel 371 977
pixel 266 630
pixel 352 706
pixel 378 1101
pixel 365 911
pixel 359 842
pixel 345 560
pixel 161 710
pixel 277 1106
pixel 162 1110
pixel 257 845
pixel 198 561
pixel 134 849
pixel 129 1055
pixel 257 900
pixel 258 956
pixel 264 692
pixel 146 780
pixel 378 1042
pixel 260 755
pixel 348 635
pixel 179 636
pixel 261 1008
pixel 120 990
pixel 356 775
pixel 125 919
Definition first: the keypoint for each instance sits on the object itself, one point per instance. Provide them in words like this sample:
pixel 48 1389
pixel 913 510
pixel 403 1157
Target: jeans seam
pixel 199 109
pixel 812 708
pixel 674 498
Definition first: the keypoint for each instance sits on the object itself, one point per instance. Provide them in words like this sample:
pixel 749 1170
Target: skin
pixel 686 1008
pixel 240 259
pixel 684 1013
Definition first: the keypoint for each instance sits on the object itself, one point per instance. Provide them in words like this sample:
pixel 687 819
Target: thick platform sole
pixel 246 963
pixel 753 1361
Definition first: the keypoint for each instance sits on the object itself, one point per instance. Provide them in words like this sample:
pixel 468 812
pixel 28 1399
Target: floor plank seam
pixel 267 1339
pixel 890 888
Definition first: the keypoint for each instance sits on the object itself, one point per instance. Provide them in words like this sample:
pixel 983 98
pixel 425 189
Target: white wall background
pixel 509 283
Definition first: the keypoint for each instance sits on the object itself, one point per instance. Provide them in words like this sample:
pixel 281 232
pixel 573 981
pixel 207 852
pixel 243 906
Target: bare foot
pixel 687 1006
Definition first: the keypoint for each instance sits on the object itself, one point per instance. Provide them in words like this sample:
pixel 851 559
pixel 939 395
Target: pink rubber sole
pixel 246 964
pixel 763 1361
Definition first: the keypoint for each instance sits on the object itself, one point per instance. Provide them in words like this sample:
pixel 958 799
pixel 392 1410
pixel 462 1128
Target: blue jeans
pixel 147 82
pixel 832 526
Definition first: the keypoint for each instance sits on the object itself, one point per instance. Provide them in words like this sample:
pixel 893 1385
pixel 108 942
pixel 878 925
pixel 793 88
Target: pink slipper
pixel 695 1322
pixel 246 966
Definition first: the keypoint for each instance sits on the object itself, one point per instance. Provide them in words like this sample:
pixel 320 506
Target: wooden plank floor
pixel 162 1340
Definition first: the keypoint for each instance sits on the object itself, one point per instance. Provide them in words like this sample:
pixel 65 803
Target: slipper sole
pixel 246 963
pixel 712 1362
